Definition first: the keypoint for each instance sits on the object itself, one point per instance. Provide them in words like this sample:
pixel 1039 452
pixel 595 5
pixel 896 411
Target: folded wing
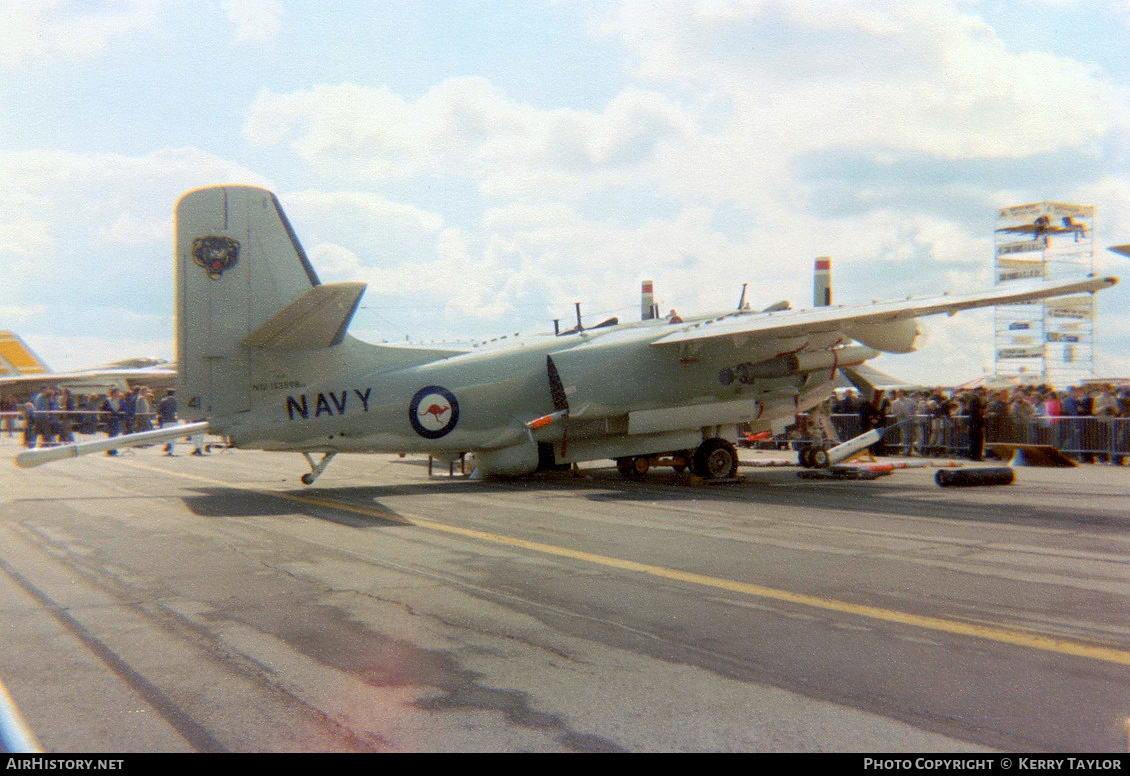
pixel 887 326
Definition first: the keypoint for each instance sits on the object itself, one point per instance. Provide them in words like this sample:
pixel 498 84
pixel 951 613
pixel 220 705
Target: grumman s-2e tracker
pixel 263 357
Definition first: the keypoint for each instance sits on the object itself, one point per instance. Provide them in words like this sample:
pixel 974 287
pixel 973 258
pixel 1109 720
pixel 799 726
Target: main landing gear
pixel 714 459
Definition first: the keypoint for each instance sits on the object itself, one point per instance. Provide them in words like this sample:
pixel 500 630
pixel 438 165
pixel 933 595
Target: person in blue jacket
pixel 114 409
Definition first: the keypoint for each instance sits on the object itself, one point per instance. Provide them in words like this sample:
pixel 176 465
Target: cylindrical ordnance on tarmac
pixel 1001 475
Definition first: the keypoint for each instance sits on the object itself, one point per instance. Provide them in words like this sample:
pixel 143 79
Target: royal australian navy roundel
pixel 433 412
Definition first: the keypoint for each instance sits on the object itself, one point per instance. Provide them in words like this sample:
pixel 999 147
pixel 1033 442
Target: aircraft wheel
pixel 633 467
pixel 307 479
pixel 716 459
pixel 820 458
pixel 804 457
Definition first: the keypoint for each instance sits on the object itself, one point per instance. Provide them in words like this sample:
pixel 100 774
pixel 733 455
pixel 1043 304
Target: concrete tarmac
pixel 216 604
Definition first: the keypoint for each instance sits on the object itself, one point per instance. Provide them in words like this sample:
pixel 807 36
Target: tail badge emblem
pixel 215 254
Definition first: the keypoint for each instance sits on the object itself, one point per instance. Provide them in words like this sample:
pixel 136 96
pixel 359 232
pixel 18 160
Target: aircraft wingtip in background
pixel 17 359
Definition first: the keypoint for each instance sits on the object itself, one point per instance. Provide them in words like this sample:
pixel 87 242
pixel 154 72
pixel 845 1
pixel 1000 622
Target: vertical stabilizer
pixel 238 263
pixel 17 359
pixel 822 282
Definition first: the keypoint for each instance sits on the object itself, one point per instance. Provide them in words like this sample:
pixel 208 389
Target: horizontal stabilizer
pixel 316 319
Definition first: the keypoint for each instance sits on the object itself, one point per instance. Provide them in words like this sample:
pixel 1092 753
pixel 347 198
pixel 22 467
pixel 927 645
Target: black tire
pixel 805 457
pixel 820 458
pixel 633 467
pixel 716 459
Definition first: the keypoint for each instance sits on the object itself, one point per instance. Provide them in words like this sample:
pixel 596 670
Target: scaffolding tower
pixel 1051 341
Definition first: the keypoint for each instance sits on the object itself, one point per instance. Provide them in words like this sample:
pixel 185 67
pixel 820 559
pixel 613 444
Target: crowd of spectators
pixel 1088 422
pixel 53 415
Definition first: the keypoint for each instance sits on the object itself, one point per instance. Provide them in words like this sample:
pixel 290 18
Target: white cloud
pixel 19 313
pixel 61 30
pixel 922 76
pixel 334 262
pixel 256 21
pixel 129 229
pixel 104 218
pixel 361 208
pixel 24 237
pixel 469 126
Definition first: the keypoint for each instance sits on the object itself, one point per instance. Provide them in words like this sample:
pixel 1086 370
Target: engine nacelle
pixel 889 336
pixel 511 461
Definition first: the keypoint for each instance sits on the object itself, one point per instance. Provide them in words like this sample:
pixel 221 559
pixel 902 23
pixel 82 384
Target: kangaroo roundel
pixel 434 411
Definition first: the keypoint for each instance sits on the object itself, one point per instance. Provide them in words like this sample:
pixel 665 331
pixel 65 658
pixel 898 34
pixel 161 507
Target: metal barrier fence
pixel 1080 437
pixel 65 423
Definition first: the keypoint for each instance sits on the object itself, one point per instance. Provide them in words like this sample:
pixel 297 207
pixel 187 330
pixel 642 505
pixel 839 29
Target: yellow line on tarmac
pixel 995 633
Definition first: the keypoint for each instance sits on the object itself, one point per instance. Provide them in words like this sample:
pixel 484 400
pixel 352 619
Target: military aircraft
pixel 16 358
pixel 22 372
pixel 264 358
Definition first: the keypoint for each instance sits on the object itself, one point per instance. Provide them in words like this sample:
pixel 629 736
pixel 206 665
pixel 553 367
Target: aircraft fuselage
pixel 610 380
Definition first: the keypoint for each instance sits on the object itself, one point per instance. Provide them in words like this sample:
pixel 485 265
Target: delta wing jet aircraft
pixel 264 358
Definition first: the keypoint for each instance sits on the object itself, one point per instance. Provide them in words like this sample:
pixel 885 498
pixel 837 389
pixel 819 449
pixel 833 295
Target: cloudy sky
pixel 485 164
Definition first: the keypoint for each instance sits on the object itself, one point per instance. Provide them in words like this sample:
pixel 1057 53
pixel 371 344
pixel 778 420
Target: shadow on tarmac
pixel 1030 502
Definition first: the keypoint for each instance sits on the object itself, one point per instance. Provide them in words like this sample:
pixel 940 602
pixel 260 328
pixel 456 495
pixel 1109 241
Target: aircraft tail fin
pixel 243 281
pixel 17 359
